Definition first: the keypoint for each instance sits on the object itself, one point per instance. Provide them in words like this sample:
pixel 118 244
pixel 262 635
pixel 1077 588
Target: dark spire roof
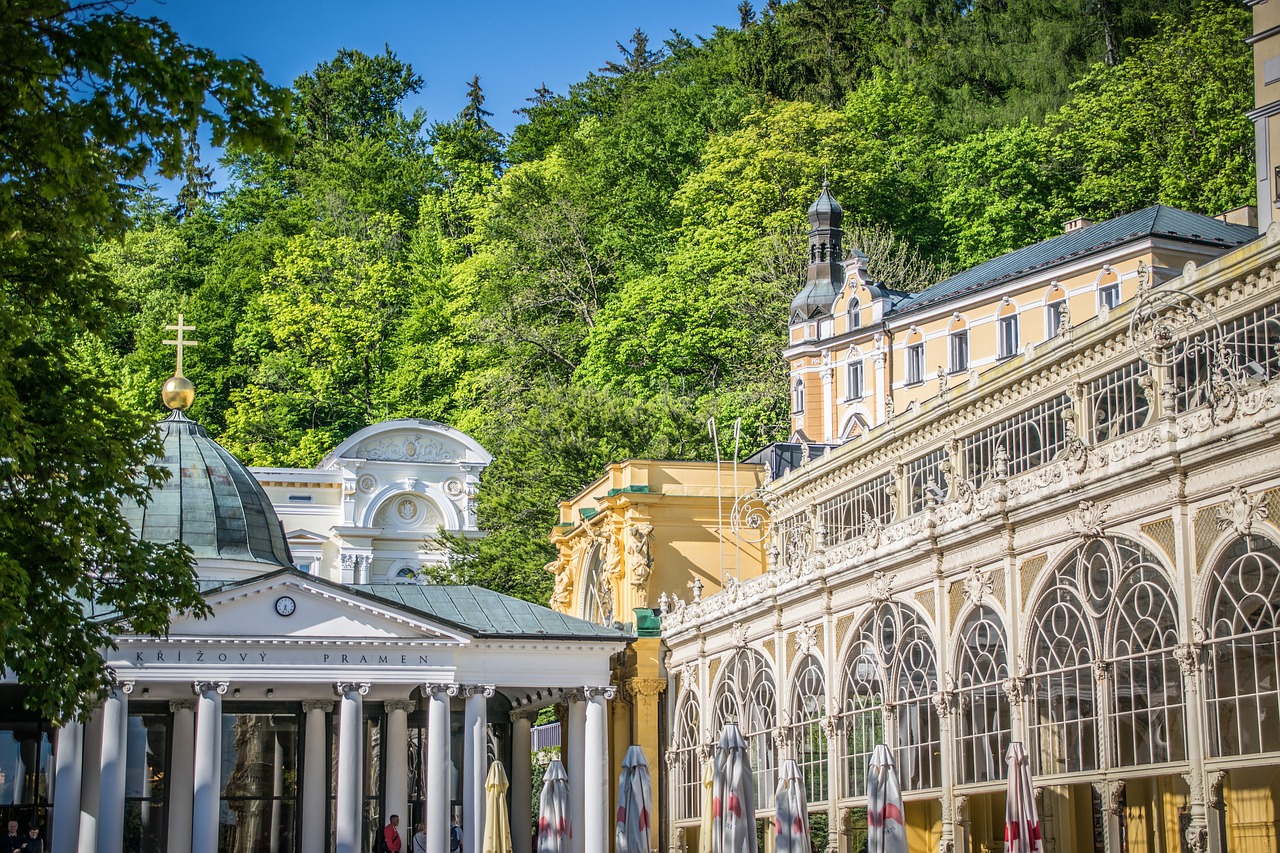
pixel 825 275
pixel 210 502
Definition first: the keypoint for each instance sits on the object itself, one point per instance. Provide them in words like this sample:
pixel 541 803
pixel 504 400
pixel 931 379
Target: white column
pixel 315 778
pixel 395 758
pixel 115 733
pixel 66 788
pixel 349 809
pixel 208 766
pixel 595 778
pixel 437 806
pixel 475 764
pixel 181 775
pixel 828 402
pixel 91 776
pixel 576 741
pixel 521 781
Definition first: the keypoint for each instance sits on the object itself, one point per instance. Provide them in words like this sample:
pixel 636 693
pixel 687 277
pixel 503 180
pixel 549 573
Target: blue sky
pixel 512 46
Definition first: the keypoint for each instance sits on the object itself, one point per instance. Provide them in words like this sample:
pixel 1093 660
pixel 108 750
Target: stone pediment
pixel 409 440
pixel 292 606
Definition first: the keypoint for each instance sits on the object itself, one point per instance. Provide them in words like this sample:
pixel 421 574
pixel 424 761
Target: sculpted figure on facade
pixel 640 559
pixel 1241 511
pixel 562 594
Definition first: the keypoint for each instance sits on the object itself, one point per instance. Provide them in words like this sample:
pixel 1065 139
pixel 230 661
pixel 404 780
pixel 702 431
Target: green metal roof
pixel 210 503
pixel 1155 221
pixel 485 613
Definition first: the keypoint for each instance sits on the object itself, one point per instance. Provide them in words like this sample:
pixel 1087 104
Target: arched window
pixel 1007 339
pixel 1108 289
pixel 958 346
pixel 1243 649
pixel 983 707
pixel 808 737
pixel 1054 298
pixel 747 696
pixel 915 358
pixel 1063 703
pixel 855 313
pixel 597 593
pixel 1125 599
pixel 685 745
pixel 1146 679
pixel 892 658
pixel 405 574
pixel 797 397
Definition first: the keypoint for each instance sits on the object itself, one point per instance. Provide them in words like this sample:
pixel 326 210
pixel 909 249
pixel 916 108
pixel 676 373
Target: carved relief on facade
pixel 639 538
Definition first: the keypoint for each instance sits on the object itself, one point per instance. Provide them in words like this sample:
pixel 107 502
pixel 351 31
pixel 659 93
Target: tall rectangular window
pixel 259 782
pixel 855 380
pixel 1109 295
pixel 146 758
pixel 1007 333
pixel 1053 317
pixel 959 355
pixel 915 364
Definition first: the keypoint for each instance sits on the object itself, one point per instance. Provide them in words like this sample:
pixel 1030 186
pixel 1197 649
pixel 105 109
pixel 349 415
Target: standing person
pixel 33 843
pixel 12 841
pixel 455 835
pixel 391 834
pixel 420 838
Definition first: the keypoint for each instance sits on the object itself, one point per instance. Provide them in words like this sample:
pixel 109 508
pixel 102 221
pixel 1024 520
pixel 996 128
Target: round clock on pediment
pixel 286 605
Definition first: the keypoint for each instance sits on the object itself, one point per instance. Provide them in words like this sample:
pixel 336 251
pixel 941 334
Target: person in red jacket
pixel 391 834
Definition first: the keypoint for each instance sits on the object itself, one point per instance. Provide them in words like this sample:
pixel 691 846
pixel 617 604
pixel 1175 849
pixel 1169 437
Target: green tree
pixel 637 59
pixel 91 99
pixel 1168 123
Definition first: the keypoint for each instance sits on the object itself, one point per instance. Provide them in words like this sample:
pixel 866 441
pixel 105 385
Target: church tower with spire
pixel 825 274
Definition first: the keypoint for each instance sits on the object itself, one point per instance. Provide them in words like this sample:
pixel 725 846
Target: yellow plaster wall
pixel 1151 813
pixel 1252 798
pixel 924 825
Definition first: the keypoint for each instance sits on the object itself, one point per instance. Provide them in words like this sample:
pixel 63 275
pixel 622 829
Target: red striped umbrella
pixel 635 804
pixel 886 830
pixel 1021 824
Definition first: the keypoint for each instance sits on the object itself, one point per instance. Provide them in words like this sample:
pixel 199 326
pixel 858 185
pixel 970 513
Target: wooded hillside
pixel 599 284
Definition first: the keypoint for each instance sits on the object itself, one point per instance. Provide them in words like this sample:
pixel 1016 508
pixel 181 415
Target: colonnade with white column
pixel 90 795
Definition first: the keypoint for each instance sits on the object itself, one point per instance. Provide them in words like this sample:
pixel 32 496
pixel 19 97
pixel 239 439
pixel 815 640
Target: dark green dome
pixel 210 502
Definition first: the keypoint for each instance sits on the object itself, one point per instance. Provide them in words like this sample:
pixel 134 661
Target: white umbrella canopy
pixel 733 828
pixel 555 831
pixel 497 820
pixel 886 830
pixel 1021 823
pixel 635 804
pixel 792 811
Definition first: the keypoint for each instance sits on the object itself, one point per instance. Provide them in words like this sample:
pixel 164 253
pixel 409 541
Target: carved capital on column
pixel 1197 836
pixel 202 687
pixel 529 714
pixel 1213 798
pixel 1101 670
pixel 646 688
pixel 1195 781
pixel 182 704
pixel 434 689
pixel 608 692
pixel 126 687
pixel 1188 657
pixel 1112 796
pixel 573 694
pixel 960 807
pixel 399 705
pixel 705 751
pixel 466 691
pixel 946 845
pixel 342 688
pixel 672 758
pixel 314 705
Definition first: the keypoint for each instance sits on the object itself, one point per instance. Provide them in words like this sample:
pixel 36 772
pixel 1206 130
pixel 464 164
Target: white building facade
pixel 1079 550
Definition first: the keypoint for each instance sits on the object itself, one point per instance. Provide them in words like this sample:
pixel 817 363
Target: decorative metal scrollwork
pixel 752 515
pixel 1164 318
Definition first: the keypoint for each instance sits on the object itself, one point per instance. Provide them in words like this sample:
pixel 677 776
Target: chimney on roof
pixel 1077 224
pixel 1247 215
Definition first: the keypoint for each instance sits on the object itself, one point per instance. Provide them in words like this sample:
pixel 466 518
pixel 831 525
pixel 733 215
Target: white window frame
pixel 1109 295
pixel 797 396
pixel 915 363
pixel 856 390
pixel 1006 347
pixel 952 338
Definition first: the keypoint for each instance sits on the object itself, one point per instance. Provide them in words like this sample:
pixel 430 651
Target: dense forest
pixel 617 271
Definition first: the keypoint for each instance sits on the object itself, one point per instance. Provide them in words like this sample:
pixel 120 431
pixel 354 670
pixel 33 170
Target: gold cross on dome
pixel 181 343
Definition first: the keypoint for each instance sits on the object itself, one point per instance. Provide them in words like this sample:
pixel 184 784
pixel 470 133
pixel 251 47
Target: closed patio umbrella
pixel 733 827
pixel 635 804
pixel 708 806
pixel 497 821
pixel 555 832
pixel 1021 823
pixel 792 811
pixel 886 830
